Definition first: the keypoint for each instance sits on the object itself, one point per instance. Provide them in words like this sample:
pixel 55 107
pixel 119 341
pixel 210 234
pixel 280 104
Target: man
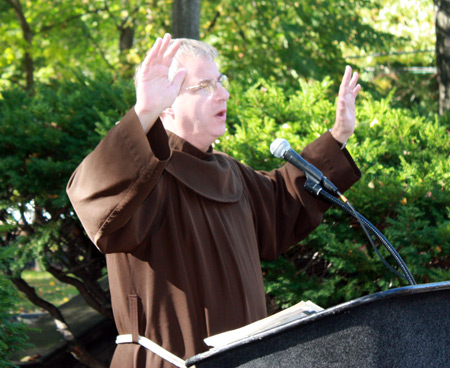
pixel 184 227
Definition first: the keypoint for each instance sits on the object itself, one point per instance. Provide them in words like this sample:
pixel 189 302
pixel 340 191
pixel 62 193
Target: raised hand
pixel 344 125
pixel 154 90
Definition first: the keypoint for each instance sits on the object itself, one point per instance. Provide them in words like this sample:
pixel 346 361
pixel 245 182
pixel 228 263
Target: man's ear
pixel 167 114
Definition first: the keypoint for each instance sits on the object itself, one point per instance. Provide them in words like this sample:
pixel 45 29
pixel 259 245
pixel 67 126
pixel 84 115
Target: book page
pixel 297 311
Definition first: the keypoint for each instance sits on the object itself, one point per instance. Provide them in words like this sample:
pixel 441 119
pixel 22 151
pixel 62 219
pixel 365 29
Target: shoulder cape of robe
pixel 185 230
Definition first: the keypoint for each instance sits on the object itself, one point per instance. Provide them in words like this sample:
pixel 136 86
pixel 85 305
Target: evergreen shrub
pixel 43 137
pixel 13 338
pixel 404 191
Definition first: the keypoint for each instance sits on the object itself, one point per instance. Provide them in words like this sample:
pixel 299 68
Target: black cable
pixel 361 221
pixel 318 191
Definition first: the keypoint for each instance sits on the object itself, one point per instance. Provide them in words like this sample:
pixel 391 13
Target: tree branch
pixel 95 298
pixel 69 19
pixel 213 22
pixel 28 37
pixel 62 327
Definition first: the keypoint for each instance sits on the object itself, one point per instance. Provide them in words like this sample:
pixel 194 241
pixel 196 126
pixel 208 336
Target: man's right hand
pixel 154 91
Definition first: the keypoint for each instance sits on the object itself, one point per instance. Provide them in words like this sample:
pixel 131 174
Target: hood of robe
pixel 212 175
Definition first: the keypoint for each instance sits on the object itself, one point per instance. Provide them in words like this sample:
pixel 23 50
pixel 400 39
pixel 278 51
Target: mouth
pixel 222 114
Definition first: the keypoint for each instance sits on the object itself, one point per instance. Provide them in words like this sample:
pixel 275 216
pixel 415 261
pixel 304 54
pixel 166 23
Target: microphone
pixel 281 148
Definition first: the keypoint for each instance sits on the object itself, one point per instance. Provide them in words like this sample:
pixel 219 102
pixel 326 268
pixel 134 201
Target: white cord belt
pixel 155 348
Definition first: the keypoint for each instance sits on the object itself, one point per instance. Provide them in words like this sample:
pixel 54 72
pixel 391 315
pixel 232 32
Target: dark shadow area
pixel 49 349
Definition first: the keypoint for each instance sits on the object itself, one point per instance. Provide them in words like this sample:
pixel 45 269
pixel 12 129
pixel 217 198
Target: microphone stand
pixel 315 188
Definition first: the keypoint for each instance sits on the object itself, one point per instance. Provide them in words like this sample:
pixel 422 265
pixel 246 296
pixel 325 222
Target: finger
pixel 354 80
pixel 164 45
pixel 173 49
pixel 150 55
pixel 155 48
pixel 356 90
pixel 347 75
pixel 345 81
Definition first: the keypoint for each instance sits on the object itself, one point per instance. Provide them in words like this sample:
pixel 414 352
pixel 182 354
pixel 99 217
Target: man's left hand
pixel 344 125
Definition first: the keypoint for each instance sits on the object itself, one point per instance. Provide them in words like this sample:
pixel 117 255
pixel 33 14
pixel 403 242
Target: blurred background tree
pixel 442 18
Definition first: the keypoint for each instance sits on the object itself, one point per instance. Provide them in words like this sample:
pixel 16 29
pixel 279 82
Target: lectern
pixel 403 327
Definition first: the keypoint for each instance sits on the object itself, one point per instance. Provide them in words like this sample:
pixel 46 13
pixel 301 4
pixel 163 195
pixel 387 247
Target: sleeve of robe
pixel 108 187
pixel 283 204
pixel 116 177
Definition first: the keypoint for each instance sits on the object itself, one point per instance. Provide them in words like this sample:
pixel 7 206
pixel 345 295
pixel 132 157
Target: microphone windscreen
pixel 279 147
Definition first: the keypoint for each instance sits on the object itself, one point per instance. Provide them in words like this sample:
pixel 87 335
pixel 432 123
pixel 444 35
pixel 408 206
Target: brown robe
pixel 185 230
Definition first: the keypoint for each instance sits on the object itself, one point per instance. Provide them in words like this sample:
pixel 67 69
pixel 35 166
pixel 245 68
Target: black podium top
pixel 403 327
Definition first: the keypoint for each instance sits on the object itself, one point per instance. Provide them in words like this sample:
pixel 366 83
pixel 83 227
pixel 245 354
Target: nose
pixel 221 93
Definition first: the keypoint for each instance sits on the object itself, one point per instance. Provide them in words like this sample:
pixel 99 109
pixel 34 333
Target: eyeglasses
pixel 208 86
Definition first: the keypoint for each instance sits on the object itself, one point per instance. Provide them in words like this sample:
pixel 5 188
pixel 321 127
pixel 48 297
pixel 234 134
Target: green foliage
pixel 266 111
pixel 407 64
pixel 43 138
pixel 274 39
pixel 13 336
pixel 403 191
pixel 280 40
pixel 78 34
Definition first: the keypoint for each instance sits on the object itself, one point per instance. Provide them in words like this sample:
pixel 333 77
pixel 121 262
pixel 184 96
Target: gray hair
pixel 191 47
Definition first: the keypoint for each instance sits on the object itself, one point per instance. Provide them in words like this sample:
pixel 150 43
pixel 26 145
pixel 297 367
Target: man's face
pixel 200 117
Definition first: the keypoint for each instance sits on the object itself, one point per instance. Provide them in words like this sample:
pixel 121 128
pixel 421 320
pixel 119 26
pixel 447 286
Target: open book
pixel 297 311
